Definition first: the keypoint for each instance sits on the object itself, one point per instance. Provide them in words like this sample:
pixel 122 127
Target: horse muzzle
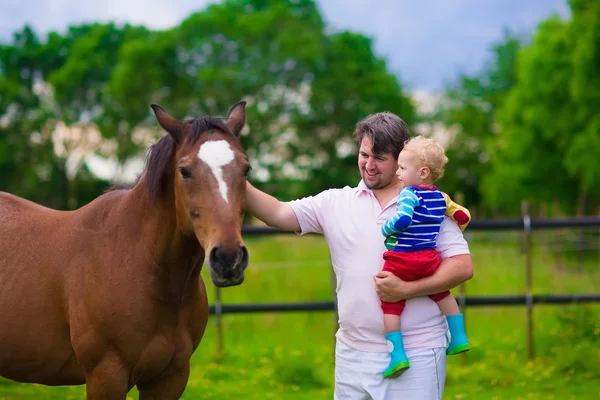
pixel 227 265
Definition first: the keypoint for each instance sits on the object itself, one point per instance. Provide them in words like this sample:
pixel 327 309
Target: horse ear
pixel 167 122
pixel 236 118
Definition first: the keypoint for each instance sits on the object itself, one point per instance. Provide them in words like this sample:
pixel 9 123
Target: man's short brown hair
pixel 386 130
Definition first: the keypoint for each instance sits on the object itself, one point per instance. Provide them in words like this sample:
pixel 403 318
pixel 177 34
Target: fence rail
pixel 478 225
pixel 471 301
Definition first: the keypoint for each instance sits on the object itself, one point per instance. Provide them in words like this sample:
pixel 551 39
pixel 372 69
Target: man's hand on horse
pixel 390 288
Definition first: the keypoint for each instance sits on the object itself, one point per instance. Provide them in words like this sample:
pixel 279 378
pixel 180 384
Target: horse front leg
pixel 109 380
pixel 170 384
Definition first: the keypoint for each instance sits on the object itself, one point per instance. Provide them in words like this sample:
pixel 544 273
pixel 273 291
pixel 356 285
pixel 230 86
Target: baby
pixel 410 237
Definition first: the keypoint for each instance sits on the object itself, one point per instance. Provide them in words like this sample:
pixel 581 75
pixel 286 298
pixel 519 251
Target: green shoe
pixel 394 371
pixel 458 349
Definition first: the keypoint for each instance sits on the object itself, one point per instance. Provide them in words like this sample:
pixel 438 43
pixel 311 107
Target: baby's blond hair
pixel 430 153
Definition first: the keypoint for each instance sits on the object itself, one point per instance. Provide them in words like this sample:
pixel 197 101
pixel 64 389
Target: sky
pixel 426 43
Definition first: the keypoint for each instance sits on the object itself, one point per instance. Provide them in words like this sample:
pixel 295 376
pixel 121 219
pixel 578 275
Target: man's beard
pixel 378 185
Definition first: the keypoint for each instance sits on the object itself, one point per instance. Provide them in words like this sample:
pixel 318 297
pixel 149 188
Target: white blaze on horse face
pixel 216 154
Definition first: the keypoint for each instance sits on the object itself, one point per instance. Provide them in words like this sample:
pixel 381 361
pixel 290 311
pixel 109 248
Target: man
pixel 350 219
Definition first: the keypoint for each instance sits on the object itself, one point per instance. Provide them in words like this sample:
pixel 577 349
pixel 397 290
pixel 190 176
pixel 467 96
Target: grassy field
pixel 289 356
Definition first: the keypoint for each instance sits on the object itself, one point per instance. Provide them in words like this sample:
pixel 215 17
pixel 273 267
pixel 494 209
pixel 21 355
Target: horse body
pixel 111 295
pixel 31 312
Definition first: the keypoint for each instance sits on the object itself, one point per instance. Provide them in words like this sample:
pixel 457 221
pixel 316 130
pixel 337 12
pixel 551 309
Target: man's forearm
pixel 270 210
pixel 452 272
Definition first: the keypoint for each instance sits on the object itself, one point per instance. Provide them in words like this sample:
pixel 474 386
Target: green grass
pixel 290 355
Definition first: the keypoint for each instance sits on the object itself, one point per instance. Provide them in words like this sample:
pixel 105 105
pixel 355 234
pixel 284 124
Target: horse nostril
pixel 244 261
pixel 215 256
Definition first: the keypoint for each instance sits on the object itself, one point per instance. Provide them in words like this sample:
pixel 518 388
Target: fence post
pixel 528 278
pixel 580 234
pixel 555 235
pixel 219 322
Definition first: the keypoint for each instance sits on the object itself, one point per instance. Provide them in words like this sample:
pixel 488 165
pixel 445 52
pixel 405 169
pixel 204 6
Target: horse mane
pixel 160 154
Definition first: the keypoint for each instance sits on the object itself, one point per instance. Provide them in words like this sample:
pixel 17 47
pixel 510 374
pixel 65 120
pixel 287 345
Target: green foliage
pixel 26 156
pixel 536 122
pixel 527 126
pixel 550 130
pixel 469 112
pixel 581 158
pixel 352 83
pixel 59 80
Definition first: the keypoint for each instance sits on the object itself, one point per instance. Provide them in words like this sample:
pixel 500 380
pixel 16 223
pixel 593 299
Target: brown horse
pixel 111 295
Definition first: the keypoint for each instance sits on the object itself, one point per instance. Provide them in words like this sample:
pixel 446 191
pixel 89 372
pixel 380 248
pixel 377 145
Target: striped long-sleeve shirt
pixel 420 211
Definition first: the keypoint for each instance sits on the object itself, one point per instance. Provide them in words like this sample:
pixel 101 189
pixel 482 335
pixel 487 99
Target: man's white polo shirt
pixel 351 219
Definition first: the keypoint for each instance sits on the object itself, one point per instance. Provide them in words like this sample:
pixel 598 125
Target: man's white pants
pixel 359 375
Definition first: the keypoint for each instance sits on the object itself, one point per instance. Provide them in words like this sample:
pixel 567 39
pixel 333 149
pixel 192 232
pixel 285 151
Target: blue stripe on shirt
pixel 416 224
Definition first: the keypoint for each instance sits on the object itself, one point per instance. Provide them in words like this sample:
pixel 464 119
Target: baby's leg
pixel 391 323
pixel 391 320
pixel 448 306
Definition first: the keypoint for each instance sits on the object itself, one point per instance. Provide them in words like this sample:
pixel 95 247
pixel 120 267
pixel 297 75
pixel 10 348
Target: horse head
pixel 210 170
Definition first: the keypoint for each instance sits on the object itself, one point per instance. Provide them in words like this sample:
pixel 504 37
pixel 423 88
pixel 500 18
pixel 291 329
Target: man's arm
pixel 452 272
pixel 271 211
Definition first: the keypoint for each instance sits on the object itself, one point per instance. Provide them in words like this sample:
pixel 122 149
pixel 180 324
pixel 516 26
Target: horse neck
pixel 175 255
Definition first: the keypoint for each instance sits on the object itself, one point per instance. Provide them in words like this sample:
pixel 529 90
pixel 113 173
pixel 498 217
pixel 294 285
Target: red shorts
pixel 410 266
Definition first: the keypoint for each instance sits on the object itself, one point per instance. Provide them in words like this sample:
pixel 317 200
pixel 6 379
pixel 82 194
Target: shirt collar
pixel 362 188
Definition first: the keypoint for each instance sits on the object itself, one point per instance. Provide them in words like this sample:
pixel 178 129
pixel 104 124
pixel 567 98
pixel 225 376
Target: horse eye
pixel 185 173
pixel 247 170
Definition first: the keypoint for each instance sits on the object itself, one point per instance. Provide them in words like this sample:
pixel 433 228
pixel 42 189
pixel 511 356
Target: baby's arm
pixel 457 213
pixel 407 201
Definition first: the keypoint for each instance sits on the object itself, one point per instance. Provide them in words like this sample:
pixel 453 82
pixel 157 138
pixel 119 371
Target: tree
pixel 468 112
pixel 351 83
pixel 54 86
pixel 305 88
pixel 581 159
pixel 27 161
pixel 549 124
